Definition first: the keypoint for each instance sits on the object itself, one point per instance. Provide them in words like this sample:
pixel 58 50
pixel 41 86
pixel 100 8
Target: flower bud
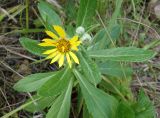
pixel 80 30
pixel 86 38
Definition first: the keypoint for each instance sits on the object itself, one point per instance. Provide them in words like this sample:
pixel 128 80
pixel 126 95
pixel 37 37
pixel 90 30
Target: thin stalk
pixel 27 14
pixel 134 8
pixel 18 109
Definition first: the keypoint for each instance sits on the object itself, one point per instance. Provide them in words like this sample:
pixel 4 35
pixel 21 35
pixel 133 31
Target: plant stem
pixel 27 14
pixel 18 109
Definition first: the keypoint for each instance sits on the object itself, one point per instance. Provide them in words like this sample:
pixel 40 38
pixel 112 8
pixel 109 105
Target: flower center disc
pixel 63 45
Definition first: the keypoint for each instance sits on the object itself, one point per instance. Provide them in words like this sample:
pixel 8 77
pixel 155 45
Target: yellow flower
pixel 62 47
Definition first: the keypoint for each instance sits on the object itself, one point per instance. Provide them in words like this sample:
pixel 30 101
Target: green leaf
pixel 40 104
pixel 102 5
pixel 33 82
pixel 144 107
pixel 48 14
pixel 119 87
pixel 89 68
pixel 86 12
pixel 124 111
pixel 115 69
pixel 99 103
pixel 99 36
pixel 61 106
pixel 115 32
pixel 129 54
pixel 57 84
pixel 112 31
pixel 101 39
pixel 113 20
pixel 85 112
pixel 153 44
pixel 33 47
pixel 70 30
pixel 70 10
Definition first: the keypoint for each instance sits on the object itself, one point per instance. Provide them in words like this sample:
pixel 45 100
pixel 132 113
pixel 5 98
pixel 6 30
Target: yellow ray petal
pixel 77 43
pixel 49 40
pixel 51 34
pixel 69 60
pixel 73 39
pixel 74 57
pixel 74 48
pixel 60 31
pixel 49 51
pixel 46 44
pixel 55 58
pixel 52 55
pixel 61 60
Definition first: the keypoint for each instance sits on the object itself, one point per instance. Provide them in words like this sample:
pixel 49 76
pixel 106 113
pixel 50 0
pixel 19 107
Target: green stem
pixel 27 14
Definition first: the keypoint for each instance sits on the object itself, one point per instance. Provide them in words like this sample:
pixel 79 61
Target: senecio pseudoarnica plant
pixel 88 63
